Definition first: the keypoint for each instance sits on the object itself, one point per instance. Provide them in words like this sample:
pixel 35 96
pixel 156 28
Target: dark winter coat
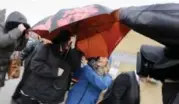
pixel 26 54
pixel 44 84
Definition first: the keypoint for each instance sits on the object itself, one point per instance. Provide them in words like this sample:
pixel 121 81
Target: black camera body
pixel 157 62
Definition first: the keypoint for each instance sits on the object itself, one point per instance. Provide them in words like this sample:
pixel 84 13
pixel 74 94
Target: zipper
pixel 83 93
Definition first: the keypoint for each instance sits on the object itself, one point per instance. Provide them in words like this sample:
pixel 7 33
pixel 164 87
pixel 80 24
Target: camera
pixel 157 62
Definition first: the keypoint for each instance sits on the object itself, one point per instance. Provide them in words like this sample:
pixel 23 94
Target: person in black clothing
pixel 51 71
pixel 26 54
pixel 124 90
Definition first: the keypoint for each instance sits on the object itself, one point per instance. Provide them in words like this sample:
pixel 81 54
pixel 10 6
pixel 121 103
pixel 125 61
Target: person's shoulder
pixel 124 77
pixel 43 47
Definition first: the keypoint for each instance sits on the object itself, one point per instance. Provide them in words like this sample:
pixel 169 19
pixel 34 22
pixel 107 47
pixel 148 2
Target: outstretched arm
pixel 96 80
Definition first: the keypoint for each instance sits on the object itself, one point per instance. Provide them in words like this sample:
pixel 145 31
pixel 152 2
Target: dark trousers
pixel 27 100
pixel 170 93
pixel 25 75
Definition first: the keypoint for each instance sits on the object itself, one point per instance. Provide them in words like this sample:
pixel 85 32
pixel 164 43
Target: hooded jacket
pixel 8 39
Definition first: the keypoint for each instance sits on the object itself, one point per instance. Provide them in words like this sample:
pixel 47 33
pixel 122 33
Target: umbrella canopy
pixel 159 22
pixel 43 26
pixel 97 28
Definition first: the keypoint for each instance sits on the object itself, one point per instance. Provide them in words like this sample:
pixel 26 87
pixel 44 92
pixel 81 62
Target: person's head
pixel 100 64
pixel 102 61
pixel 63 40
pixel 14 19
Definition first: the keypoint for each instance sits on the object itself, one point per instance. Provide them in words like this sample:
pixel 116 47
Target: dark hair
pixel 62 37
pixel 93 58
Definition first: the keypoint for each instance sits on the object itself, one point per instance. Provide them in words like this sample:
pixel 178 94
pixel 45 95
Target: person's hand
pixel 84 61
pixel 106 69
pixel 21 27
pixel 73 41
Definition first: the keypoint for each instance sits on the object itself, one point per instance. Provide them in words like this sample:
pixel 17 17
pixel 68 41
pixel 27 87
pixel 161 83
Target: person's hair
pixel 93 58
pixel 62 37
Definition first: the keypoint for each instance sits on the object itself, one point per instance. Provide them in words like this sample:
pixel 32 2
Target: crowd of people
pixel 50 67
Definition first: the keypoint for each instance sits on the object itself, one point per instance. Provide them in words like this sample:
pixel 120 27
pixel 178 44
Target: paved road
pixel 7 91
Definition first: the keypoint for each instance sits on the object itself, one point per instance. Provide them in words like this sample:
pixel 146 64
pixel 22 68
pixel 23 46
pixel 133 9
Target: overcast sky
pixel 38 9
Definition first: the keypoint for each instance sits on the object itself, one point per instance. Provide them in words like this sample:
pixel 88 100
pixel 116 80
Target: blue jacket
pixel 89 87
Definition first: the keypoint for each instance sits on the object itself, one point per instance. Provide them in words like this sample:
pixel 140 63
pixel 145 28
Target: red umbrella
pixel 42 27
pixel 97 28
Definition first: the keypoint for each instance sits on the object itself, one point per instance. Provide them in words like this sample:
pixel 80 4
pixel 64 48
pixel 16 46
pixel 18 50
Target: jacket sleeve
pixel 74 59
pixel 121 85
pixel 77 74
pixel 28 49
pixel 40 64
pixel 96 80
pixel 8 38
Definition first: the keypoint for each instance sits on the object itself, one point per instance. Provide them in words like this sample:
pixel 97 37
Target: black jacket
pixel 26 54
pixel 44 84
pixel 125 90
